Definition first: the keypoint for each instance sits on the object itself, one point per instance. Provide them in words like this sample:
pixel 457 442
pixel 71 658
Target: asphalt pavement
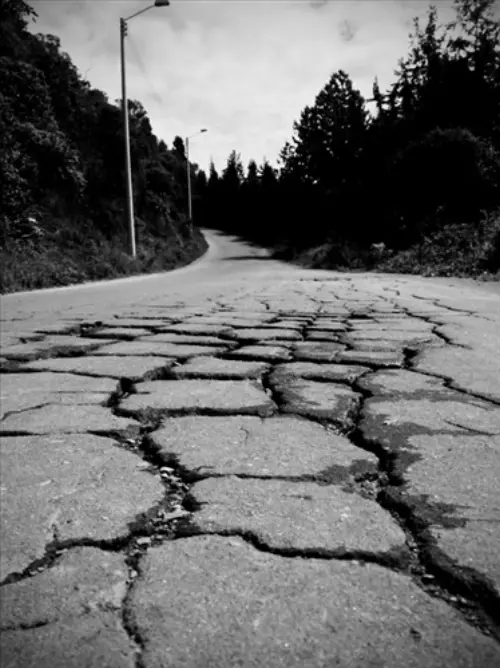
pixel 246 463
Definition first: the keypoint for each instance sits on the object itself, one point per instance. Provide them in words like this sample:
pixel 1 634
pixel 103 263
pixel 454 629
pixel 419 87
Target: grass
pixel 67 254
pixel 462 250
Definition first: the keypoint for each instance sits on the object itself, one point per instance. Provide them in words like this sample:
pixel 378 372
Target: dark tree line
pixel 424 162
pixel 426 158
pixel 62 177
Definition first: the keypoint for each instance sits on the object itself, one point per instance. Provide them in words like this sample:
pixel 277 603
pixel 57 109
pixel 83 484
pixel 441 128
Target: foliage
pixel 62 181
pixel 456 249
pixel 419 174
pixel 68 252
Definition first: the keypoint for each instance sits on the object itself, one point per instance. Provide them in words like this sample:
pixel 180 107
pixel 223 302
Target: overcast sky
pixel 244 69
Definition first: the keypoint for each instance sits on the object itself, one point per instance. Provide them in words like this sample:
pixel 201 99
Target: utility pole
pixel 188 167
pixel 126 127
pixel 190 199
pixel 126 130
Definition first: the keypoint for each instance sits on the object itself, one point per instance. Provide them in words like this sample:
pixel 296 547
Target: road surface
pixel 245 463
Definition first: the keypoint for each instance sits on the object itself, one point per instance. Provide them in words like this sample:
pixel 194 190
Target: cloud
pixel 318 4
pixel 245 70
pixel 347 30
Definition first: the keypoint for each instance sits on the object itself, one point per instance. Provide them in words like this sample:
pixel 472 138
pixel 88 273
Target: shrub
pixel 446 176
pixel 459 249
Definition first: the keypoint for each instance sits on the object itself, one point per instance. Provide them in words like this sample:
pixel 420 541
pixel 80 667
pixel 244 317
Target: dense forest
pixel 62 183
pixel 413 186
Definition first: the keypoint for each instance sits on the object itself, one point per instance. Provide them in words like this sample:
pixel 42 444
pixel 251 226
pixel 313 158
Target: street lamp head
pixel 162 3
pixel 204 130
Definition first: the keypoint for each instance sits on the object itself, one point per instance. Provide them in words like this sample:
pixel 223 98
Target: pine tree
pixel 179 148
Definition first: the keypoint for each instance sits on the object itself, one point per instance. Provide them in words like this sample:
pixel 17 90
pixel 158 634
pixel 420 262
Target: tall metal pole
pixel 126 129
pixel 190 203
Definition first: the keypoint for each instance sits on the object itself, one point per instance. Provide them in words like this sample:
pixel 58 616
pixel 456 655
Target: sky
pixel 242 69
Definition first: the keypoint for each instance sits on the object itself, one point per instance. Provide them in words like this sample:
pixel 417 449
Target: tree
pixel 211 203
pixel 252 178
pixel 14 18
pixel 62 153
pixel 250 202
pixel 425 158
pixel 230 191
pixel 179 148
pixel 475 44
pixel 233 174
pixel 329 140
pixel 329 135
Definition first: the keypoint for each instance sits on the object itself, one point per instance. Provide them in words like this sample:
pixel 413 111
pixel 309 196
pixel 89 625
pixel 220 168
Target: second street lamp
pixel 190 198
pixel 126 128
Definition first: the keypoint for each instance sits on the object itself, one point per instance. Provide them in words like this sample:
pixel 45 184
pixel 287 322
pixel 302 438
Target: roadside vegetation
pixel 62 184
pixel 408 181
pixel 411 186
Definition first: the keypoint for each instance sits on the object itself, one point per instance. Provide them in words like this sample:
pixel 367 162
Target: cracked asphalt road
pixel 243 463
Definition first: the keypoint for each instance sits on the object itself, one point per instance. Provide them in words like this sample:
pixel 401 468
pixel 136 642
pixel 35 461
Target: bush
pixel 448 175
pixel 454 250
pixel 329 255
pixel 66 254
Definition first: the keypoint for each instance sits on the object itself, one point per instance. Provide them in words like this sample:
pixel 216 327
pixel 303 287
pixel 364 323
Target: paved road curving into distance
pixel 245 463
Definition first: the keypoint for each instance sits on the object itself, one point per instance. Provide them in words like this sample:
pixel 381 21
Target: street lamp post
pixel 190 199
pixel 126 128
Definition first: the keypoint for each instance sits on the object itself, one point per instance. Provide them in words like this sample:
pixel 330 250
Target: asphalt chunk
pixel 468 534
pixel 203 329
pixel 84 579
pixel 52 346
pixel 82 417
pixel 132 367
pixel 296 516
pixel 126 333
pixel 227 397
pixel 218 369
pixel 159 349
pixel 400 382
pixel 244 445
pixel 396 336
pixel 269 611
pixel 93 640
pixel 82 486
pixel 475 371
pixel 376 358
pixel 262 353
pixel 391 423
pixel 187 340
pixel 318 351
pixel 325 401
pixel 266 334
pixel 21 391
pixel 334 373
